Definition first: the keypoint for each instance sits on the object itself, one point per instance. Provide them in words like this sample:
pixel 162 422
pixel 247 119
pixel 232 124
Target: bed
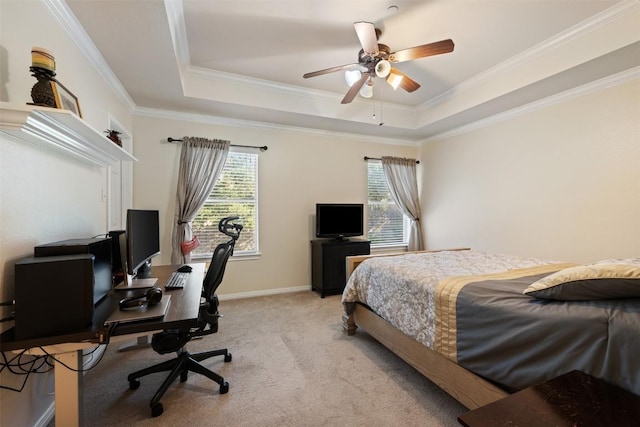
pixel 483 325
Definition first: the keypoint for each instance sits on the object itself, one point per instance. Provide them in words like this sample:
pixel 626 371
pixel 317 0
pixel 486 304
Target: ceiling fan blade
pixel 407 83
pixel 367 36
pixel 328 70
pixel 429 49
pixel 353 91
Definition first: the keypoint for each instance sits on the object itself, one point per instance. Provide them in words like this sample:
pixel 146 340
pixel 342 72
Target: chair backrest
pixel 216 269
pixel 215 273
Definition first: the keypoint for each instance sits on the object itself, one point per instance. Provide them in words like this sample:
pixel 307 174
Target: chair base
pixel 180 366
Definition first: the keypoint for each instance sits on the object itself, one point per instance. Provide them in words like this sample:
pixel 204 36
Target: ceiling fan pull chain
pixel 381 97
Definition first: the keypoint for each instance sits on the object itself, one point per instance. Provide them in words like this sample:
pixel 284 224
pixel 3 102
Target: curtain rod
pixel 263 148
pixel 377 158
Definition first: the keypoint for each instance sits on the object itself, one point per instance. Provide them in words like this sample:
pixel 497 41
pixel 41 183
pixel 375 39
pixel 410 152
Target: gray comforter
pixel 469 306
pixel 517 341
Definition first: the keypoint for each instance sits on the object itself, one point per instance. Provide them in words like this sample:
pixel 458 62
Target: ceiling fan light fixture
pixel 394 79
pixel 383 68
pixel 367 89
pixel 374 61
pixel 352 76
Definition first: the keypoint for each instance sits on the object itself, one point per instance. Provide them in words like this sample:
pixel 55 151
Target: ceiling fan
pixel 376 60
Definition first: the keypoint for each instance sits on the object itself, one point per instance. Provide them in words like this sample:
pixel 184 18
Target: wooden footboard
pixel 466 387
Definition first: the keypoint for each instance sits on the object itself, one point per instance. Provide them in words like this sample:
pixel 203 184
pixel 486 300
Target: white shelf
pixel 61 130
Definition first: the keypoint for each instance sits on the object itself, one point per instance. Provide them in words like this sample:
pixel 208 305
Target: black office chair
pixel 170 341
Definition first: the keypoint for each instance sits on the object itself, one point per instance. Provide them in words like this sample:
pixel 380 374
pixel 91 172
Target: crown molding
pixel 249 124
pixel 178 31
pixel 69 22
pixel 586 89
pixel 175 16
pixel 285 89
pixel 607 16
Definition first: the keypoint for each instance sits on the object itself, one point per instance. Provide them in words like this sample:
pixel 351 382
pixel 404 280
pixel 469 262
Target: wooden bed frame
pixel 463 385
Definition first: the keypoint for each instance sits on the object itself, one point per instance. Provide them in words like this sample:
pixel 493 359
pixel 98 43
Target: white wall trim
pixel 591 87
pixel 238 123
pixel 178 30
pixel 268 292
pixel 69 22
pixel 287 89
pixel 611 14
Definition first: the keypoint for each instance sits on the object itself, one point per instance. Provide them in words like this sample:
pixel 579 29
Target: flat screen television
pixel 141 243
pixel 339 220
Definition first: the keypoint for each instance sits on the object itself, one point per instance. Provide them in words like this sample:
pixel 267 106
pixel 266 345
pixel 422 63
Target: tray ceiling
pixel 243 61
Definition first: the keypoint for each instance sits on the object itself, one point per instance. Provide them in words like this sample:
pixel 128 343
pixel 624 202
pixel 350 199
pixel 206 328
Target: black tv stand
pixel 328 263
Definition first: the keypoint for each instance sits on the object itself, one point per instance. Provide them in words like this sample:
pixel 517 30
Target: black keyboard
pixel 177 280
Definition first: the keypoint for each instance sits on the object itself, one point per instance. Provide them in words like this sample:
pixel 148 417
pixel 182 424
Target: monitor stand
pixel 142 280
pixel 130 283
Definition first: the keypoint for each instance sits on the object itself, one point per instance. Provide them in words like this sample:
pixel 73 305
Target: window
pixel 235 194
pixel 386 223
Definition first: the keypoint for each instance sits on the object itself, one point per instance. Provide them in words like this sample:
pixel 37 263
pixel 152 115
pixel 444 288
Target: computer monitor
pixel 139 244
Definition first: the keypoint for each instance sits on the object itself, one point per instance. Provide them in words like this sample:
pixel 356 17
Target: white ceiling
pixel 244 60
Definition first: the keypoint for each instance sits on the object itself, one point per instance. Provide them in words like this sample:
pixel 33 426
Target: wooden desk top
pixel 182 313
pixel 574 399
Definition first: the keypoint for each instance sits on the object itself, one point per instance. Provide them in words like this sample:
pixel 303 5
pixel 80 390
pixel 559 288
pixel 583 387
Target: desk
pixel 181 314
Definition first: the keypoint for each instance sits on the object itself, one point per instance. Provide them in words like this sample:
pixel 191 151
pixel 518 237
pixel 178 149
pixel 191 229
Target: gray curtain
pixel 403 184
pixel 201 162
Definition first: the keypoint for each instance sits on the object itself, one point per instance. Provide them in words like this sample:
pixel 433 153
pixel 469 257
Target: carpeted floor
pixel 292 365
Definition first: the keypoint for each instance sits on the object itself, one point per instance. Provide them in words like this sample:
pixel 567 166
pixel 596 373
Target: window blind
pixel 386 224
pixel 235 194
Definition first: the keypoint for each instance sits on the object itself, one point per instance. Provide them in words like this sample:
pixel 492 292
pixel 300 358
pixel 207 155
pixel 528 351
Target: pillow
pixel 589 282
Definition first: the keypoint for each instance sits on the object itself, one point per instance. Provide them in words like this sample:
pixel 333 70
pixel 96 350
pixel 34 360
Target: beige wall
pixel 560 183
pixel 298 170
pixel 44 196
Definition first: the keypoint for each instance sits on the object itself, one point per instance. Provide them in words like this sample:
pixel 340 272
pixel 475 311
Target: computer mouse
pixel 185 269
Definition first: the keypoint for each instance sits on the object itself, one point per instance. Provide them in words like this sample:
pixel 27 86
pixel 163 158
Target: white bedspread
pixel 401 289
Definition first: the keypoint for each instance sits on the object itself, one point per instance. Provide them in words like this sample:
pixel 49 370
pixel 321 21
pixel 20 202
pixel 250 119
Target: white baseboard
pixel 267 292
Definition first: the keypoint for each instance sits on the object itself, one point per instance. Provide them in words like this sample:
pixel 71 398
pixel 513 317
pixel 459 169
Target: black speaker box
pixel 53 295
pixel 100 248
pixel 116 255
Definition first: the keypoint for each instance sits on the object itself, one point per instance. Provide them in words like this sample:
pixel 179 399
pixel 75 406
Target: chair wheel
pixel 157 410
pixel 183 376
pixel 227 358
pixel 134 384
pixel 224 387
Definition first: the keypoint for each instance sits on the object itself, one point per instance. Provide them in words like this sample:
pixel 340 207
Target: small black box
pixel 100 248
pixel 53 295
pixel 116 251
